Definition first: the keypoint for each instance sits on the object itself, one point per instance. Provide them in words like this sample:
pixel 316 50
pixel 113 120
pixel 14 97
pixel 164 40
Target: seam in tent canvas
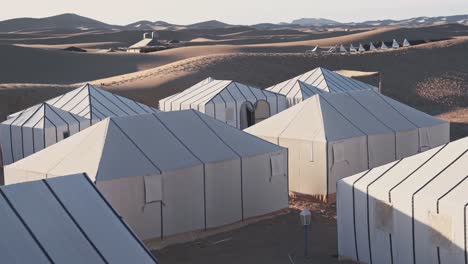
pixel 104 106
pixel 32 133
pixel 25 225
pixel 122 101
pixel 235 103
pixel 414 171
pixel 210 88
pixel 103 144
pixel 336 88
pixel 110 101
pixel 417 191
pixel 136 145
pixel 292 119
pixel 195 156
pixel 464 232
pixel 91 117
pixel 235 152
pixel 367 198
pixel 75 222
pixel 21 129
pixel 187 93
pixel 77 104
pixel 55 128
pixel 450 190
pixel 68 125
pixel 354 213
pixel 90 132
pixel 119 217
pixel 73 97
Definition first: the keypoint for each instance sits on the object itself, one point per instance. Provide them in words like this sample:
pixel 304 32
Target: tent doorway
pixel 247 115
pixel 262 111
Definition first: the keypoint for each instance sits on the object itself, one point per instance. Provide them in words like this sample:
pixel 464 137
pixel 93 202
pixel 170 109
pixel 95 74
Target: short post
pixel 305 216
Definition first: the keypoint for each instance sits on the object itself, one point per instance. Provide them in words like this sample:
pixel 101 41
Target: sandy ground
pixel 277 240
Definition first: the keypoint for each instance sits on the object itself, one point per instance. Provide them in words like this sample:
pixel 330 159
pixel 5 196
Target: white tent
pixel 342 48
pixel 352 48
pixel 64 220
pixel 410 211
pixel 383 46
pixel 332 49
pixel 361 48
pixel 37 128
pixel 395 44
pixel 234 103
pixel 316 81
pixel 169 173
pixel 372 47
pixel 332 136
pixel 406 43
pixel 95 104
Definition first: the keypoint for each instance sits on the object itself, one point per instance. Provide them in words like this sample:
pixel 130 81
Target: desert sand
pixel 432 77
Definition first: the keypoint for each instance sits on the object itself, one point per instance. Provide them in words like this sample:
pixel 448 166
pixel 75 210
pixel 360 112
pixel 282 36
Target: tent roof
pixel 138 145
pixel 44 115
pixel 147 42
pixel 64 220
pixel 343 115
pixel 318 80
pixel 204 91
pixel 93 103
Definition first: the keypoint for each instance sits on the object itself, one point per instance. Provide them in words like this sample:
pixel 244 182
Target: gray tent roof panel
pixel 64 220
pixel 416 117
pixel 355 113
pixel 51 225
pixel 317 81
pixel 110 236
pixel 378 106
pixel 242 143
pixel 197 136
pixel 94 103
pixel 16 243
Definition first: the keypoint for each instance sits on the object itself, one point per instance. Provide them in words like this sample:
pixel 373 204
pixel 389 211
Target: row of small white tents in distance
pixel 45 124
pixel 236 104
pixel 410 211
pixel 330 136
pixel 169 173
pixel 64 220
pixel 361 48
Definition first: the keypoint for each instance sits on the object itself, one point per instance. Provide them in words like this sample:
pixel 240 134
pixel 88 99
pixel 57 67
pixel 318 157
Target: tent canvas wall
pixel 37 128
pixel 234 103
pixel 410 211
pixel 383 46
pixel 95 104
pixel 332 136
pixel 170 173
pixel 64 220
pixel 406 43
pixel 316 81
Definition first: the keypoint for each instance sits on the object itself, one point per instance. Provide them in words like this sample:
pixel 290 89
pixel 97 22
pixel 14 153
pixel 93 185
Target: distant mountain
pixel 211 24
pixel 73 23
pixel 64 21
pixel 315 22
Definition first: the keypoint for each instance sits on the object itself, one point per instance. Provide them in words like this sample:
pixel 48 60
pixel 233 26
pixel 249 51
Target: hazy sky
pixel 233 11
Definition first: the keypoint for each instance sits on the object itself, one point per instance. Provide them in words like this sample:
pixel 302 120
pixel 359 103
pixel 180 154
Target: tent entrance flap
pixel 247 115
pixel 262 111
pixel 153 188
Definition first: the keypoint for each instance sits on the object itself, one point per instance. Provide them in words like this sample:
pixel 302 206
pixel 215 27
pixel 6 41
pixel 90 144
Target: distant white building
pixel 149 43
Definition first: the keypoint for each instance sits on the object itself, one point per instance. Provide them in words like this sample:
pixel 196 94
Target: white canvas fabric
pixel 352 48
pixel 317 81
pixel 234 103
pixel 383 46
pixel 42 125
pixel 169 173
pixel 426 202
pixel 35 129
pixel 361 48
pixel 395 44
pixel 334 135
pixel 342 48
pixel 64 220
pixel 371 46
pixel 406 43
pixel 95 104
